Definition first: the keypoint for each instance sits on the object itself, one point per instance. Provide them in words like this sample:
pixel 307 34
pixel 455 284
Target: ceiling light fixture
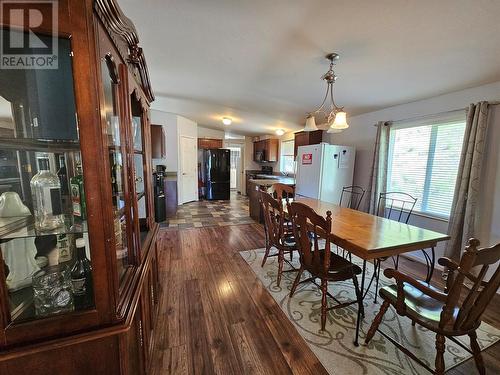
pixel 335 116
pixel 280 132
pixel 226 121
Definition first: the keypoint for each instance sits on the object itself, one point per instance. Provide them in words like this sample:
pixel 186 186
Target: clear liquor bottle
pixel 47 204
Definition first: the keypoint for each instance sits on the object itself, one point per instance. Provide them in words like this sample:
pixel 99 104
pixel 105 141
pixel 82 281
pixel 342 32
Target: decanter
pixel 47 204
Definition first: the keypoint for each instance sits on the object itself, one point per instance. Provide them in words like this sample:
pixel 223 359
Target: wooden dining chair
pixel 351 197
pixel 321 263
pixel 282 191
pixel 278 234
pixel 455 312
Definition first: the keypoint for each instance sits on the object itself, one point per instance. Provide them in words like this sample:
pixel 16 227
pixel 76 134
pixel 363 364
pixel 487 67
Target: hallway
pixel 201 214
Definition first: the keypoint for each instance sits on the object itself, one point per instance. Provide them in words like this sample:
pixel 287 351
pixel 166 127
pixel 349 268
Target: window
pixel 423 162
pixel 287 161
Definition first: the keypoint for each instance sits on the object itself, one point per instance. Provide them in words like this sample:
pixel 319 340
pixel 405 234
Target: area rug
pixel 335 348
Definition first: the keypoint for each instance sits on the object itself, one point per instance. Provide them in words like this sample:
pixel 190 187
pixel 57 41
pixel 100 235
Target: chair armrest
pixel 448 263
pixel 402 278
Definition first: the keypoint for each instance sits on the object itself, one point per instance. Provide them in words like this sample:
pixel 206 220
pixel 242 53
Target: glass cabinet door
pixel 45 252
pixel 141 178
pixel 117 152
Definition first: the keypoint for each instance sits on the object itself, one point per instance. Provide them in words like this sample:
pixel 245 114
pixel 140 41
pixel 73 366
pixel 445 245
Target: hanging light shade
pixel 340 122
pixel 310 124
pixel 334 115
pixel 333 130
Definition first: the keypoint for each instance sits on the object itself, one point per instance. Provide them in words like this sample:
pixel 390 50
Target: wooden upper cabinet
pixel 209 143
pixel 158 149
pixel 307 138
pixel 266 150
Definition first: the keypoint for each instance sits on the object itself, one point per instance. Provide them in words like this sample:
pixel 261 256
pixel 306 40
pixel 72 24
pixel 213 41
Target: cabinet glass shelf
pixel 47 145
pixel 24 227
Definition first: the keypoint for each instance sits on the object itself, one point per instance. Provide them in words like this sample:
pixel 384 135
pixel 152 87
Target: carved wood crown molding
pixel 120 25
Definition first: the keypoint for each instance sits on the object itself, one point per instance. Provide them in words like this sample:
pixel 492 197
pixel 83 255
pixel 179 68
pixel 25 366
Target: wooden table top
pixel 369 236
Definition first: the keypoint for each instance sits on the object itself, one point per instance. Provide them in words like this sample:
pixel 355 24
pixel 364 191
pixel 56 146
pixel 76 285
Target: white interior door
pixel 188 179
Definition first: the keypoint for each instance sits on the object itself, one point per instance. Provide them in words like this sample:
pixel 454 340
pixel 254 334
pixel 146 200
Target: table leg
pixel 360 313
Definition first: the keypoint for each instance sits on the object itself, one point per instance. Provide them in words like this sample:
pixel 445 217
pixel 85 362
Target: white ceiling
pixel 260 61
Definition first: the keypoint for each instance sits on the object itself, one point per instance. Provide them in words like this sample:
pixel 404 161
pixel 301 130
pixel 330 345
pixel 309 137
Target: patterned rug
pixel 335 348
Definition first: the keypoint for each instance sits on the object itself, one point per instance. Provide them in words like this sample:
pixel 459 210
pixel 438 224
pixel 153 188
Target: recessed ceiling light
pixel 280 132
pixel 226 121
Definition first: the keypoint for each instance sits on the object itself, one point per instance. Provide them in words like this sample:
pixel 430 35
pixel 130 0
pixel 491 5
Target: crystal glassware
pixel 52 292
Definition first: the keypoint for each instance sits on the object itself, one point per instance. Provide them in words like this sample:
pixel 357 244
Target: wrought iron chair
pixel 319 262
pixel 278 234
pixel 455 312
pixel 399 206
pixel 351 197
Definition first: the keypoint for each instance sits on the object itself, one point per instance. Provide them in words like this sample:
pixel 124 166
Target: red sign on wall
pixel 307 159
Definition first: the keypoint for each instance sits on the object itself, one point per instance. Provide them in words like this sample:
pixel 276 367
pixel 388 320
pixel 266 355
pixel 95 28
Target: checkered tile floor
pixel 211 213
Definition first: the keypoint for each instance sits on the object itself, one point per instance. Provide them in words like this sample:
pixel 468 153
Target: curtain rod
pixel 496 102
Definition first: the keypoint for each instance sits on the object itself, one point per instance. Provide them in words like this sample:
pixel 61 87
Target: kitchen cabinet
pixel 100 191
pixel 266 150
pixel 209 143
pixel 307 138
pixel 158 149
pixel 248 177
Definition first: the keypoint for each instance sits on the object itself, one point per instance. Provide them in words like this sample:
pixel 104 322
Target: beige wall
pixel 210 133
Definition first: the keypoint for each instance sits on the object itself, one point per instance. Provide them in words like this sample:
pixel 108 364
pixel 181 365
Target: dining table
pixel 370 237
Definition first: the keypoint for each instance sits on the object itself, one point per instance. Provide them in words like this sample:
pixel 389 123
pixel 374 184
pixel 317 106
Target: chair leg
pixel 440 339
pixel 324 291
pixel 377 321
pixel 359 295
pixel 266 254
pixel 431 265
pixel 377 276
pixel 296 281
pixel 477 353
pixel 281 260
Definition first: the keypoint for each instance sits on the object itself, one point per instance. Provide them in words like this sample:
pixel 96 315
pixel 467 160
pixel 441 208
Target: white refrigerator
pixel 323 170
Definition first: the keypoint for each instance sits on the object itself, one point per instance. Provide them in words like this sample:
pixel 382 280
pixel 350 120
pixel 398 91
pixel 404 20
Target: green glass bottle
pixel 78 195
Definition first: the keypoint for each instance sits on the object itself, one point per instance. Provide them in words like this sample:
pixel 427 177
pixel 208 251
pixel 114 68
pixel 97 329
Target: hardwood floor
pixel 216 317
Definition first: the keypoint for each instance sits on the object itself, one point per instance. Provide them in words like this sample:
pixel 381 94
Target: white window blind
pixel 423 162
pixel 287 162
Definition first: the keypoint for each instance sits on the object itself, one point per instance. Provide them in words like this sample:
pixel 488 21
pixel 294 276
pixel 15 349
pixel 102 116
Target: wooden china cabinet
pixel 75 168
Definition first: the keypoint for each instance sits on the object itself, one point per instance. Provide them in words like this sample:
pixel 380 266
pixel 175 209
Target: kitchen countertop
pixel 272 181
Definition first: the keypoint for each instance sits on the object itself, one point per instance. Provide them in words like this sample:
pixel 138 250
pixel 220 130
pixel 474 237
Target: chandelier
pixel 334 116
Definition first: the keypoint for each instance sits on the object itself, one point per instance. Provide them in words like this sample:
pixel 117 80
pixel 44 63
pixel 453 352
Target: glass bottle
pixel 62 174
pixel 46 191
pixel 81 278
pixel 78 195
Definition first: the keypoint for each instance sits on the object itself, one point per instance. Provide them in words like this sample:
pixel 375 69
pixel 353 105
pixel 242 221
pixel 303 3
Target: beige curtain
pixel 378 180
pixel 467 188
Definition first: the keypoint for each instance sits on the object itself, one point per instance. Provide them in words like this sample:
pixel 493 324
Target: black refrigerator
pixel 216 164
